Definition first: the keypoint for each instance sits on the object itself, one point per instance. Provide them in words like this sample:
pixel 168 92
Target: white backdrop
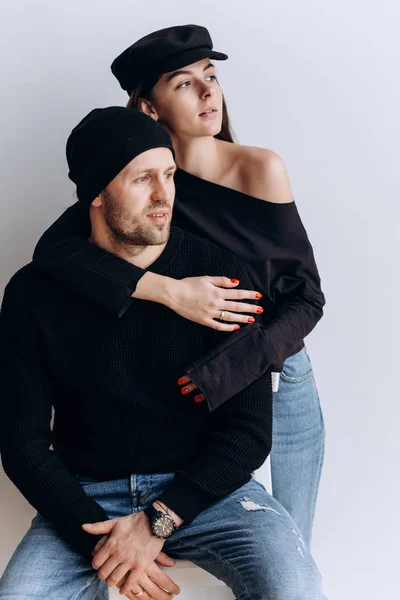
pixel 318 82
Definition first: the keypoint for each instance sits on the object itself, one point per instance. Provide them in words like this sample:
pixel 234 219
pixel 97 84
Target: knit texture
pixel 118 408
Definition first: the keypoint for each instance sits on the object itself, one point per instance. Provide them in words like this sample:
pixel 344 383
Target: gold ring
pixel 221 316
pixel 138 593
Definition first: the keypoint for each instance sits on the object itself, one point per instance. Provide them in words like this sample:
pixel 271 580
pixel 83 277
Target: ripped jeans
pixel 247 540
pixel 298 442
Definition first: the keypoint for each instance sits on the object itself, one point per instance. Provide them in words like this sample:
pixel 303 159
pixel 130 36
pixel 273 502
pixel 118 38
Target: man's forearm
pixel 55 493
pixel 238 444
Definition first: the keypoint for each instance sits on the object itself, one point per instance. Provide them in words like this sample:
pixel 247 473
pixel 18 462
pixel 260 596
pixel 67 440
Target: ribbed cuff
pixel 185 500
pixel 84 543
pixel 79 539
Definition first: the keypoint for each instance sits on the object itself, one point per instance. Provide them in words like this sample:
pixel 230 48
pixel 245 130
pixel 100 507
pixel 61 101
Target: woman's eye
pixel 187 83
pixel 169 175
pixel 141 179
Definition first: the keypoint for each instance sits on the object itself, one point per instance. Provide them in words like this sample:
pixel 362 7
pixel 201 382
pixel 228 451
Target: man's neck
pixel 141 256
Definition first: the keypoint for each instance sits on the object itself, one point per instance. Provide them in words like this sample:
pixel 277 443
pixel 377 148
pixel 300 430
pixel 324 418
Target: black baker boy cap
pixel 161 52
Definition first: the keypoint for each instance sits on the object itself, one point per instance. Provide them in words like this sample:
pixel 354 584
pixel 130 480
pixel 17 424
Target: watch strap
pixel 152 513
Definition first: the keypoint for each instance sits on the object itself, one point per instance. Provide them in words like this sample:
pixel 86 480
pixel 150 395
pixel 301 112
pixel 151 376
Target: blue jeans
pixel 298 442
pixel 247 539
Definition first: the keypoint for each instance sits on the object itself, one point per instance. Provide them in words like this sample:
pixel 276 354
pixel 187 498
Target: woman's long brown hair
pixel 226 134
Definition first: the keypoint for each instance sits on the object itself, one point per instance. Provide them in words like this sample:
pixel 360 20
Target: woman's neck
pixel 205 157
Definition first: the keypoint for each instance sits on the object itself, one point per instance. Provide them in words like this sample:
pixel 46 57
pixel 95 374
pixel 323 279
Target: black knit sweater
pixel 118 408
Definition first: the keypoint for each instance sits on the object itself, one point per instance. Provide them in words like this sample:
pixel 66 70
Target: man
pixel 134 468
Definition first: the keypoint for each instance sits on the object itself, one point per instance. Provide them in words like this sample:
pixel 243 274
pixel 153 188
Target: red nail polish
pixel 258 295
pixel 251 319
pixel 181 381
pixel 185 391
pixel 198 398
pixel 236 327
pixel 235 280
pixel 260 310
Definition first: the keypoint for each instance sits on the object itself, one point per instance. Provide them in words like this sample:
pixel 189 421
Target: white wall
pixel 318 82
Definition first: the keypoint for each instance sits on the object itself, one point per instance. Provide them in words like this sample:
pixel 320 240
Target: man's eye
pixel 141 179
pixel 169 175
pixel 213 77
pixel 181 85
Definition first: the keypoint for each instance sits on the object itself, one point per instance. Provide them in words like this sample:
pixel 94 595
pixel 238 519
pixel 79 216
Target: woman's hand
pixel 205 299
pixel 189 386
pixel 201 299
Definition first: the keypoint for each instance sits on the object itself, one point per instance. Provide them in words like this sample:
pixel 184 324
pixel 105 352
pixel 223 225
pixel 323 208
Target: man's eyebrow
pixel 151 170
pixel 184 72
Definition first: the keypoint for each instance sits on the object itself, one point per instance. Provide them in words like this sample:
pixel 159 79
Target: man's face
pixel 137 204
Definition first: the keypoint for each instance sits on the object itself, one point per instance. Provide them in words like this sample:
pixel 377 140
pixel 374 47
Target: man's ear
pixel 148 109
pixel 97 201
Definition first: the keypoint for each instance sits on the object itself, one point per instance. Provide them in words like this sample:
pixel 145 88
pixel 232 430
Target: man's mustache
pixel 158 206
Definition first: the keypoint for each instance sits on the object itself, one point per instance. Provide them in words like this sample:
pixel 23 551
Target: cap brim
pixel 183 59
pixel 218 55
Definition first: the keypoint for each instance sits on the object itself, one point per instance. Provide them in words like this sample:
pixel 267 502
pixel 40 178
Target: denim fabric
pixel 298 442
pixel 247 540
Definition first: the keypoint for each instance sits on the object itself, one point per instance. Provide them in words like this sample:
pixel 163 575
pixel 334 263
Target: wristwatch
pixel 162 525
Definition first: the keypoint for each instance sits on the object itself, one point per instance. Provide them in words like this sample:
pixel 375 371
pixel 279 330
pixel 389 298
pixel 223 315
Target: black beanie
pixel 104 142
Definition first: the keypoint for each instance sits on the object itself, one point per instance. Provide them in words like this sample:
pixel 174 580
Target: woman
pixel 240 198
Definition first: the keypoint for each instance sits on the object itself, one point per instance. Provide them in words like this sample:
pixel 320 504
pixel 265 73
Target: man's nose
pixel 161 192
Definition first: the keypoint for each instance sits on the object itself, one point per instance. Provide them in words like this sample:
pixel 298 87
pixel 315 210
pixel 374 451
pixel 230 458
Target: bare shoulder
pixel 263 174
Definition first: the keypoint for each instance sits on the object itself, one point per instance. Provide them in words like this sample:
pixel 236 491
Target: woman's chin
pixel 210 129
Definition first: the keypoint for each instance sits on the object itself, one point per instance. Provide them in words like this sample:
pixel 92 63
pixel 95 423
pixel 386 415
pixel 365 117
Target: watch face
pixel 163 526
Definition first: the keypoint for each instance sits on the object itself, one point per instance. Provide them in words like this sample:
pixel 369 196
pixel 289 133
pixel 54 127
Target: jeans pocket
pixel 297 368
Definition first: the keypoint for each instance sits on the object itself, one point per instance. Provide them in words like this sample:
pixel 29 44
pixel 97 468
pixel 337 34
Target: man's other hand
pixel 127 553
pixel 154 583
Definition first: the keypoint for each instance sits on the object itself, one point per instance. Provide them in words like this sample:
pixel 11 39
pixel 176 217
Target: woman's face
pixel 188 101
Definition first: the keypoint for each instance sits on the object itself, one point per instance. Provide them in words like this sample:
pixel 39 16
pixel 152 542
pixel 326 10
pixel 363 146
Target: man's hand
pixel 153 582
pixel 127 553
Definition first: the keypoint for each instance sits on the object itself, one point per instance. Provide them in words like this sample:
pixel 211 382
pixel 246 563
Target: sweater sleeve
pixel 239 441
pixel 26 436
pixel 283 268
pixel 99 276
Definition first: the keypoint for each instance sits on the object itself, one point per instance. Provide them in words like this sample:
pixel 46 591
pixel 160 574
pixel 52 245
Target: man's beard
pixel 128 231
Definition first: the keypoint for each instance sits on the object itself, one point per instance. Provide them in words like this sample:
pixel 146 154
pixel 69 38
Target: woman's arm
pixel 243 357
pixel 109 281
pixel 99 276
pixel 279 257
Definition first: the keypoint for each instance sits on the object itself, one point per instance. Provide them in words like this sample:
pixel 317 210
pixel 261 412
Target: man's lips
pixel 158 215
